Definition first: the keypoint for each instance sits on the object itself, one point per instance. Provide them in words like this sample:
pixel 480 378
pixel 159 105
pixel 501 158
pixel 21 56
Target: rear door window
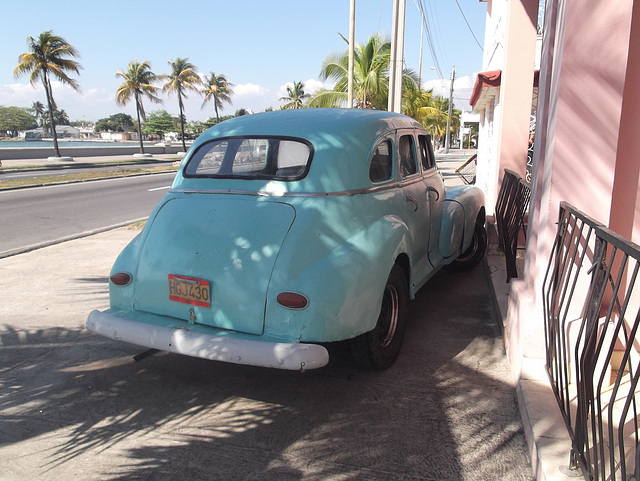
pixel 407 154
pixel 426 152
pixel 381 168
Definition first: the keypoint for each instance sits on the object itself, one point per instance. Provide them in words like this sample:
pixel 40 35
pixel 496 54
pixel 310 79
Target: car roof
pixel 340 137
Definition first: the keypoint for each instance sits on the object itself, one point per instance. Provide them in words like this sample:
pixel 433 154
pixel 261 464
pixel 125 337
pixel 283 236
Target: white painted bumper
pixel 295 357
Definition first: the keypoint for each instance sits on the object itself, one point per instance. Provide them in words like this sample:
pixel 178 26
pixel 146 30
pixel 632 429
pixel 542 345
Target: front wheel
pixel 379 348
pixel 474 254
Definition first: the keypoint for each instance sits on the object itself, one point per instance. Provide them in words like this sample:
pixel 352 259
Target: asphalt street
pixel 43 215
pixel 76 406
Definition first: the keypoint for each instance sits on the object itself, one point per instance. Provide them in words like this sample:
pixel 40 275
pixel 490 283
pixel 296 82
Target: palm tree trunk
pixel 139 125
pixel 47 89
pixel 184 145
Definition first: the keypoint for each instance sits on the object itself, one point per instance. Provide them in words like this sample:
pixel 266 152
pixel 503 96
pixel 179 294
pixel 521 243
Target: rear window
pixel 251 158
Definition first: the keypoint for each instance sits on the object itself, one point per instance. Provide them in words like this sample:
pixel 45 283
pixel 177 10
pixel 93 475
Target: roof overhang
pixel 487 87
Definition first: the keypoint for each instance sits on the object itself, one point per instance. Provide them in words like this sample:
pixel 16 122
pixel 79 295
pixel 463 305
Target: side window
pixel 381 163
pixel 426 152
pixel 406 152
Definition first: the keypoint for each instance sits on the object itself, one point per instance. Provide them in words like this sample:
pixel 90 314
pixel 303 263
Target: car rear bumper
pixel 291 356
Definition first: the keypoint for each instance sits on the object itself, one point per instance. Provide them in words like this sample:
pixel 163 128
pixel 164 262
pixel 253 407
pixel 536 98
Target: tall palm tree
pixel 138 83
pixel 218 89
pixel 295 96
pixel 370 77
pixel 37 109
pixel 49 57
pixel 183 77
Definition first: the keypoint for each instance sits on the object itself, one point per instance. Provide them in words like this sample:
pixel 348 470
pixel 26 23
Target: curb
pixel 33 247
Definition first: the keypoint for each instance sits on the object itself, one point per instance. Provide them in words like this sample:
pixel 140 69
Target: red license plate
pixel 189 290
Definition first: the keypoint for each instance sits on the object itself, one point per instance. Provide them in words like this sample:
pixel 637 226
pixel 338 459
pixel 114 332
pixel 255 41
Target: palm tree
pixel 48 58
pixel 138 83
pixel 370 77
pixel 295 96
pixel 423 106
pixel 218 89
pixel 183 77
pixel 37 109
pixel 437 122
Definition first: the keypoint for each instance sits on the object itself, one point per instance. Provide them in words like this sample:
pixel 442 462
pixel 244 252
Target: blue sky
pixel 259 45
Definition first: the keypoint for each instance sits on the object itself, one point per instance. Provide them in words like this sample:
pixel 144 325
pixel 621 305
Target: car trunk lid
pixel 228 242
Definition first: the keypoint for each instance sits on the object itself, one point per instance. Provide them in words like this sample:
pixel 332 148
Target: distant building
pixel 63 131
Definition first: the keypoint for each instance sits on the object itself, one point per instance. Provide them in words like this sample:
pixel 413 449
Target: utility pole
pixel 397 56
pixel 447 138
pixel 352 29
pixel 420 60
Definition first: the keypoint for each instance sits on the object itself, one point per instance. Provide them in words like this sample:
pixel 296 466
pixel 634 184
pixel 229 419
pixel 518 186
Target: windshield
pixel 251 158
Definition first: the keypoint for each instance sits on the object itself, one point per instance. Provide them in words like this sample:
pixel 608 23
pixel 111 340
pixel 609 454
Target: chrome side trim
pixel 369 190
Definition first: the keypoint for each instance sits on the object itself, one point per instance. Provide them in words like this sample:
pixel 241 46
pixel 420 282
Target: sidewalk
pixel 545 430
pixel 76 406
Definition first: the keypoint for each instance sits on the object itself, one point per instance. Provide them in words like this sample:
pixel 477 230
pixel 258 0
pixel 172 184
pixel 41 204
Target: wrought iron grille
pixel 511 207
pixel 592 314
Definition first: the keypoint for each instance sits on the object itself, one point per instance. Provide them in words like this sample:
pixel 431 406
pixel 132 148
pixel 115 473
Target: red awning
pixel 493 79
pixel 485 79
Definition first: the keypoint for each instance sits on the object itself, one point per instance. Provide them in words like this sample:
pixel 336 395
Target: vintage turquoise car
pixel 287 230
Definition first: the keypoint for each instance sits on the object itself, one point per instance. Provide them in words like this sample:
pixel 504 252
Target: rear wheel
pixel 474 254
pixel 379 348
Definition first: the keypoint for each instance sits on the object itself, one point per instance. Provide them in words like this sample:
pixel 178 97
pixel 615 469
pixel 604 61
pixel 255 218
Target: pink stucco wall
pixel 625 199
pixel 586 145
pixel 517 84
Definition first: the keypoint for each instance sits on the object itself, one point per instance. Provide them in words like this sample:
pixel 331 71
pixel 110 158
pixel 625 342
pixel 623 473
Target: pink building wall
pixel 586 144
pixel 517 84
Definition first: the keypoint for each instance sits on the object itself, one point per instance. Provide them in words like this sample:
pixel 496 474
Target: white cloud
pixel 249 90
pixel 462 88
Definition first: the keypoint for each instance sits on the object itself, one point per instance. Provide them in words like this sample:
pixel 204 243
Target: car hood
pixel 230 241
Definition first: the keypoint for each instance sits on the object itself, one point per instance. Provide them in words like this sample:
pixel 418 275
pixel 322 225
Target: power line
pixel 468 26
pixel 429 37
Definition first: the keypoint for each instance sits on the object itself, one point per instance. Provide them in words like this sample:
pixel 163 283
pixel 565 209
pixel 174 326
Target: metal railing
pixel 467 171
pixel 592 315
pixel 511 207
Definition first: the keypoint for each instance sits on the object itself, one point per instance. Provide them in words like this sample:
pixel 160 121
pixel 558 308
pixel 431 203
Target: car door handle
pixel 411 199
pixel 433 189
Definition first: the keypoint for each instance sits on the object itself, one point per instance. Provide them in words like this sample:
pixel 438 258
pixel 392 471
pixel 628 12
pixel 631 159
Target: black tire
pixel 379 348
pixel 474 254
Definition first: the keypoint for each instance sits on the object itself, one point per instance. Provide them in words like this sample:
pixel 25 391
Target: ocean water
pixel 61 143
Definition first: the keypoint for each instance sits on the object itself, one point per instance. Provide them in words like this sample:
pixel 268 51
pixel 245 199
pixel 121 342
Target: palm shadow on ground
pixel 77 404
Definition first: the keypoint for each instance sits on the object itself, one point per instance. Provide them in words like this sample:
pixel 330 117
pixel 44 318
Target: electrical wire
pixel 468 26
pixel 429 36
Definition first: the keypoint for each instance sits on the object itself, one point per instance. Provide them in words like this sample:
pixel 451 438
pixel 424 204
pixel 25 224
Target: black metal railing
pixel 592 315
pixel 511 207
pixel 467 171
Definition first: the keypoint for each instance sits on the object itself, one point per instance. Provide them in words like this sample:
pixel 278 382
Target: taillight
pixel 121 279
pixel 292 300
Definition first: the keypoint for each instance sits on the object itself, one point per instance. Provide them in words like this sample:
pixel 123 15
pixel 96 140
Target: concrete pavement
pixel 442 412
pixel 75 405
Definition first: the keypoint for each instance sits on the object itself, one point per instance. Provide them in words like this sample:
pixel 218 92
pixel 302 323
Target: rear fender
pixel 464 206
pixel 344 285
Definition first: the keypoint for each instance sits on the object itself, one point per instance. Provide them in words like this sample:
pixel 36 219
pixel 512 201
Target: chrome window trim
pixel 367 190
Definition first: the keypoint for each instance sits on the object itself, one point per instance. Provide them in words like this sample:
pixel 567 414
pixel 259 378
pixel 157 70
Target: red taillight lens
pixel 292 300
pixel 121 279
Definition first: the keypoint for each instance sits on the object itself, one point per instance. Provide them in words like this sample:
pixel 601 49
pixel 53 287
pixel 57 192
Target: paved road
pixel 76 406
pixel 46 214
